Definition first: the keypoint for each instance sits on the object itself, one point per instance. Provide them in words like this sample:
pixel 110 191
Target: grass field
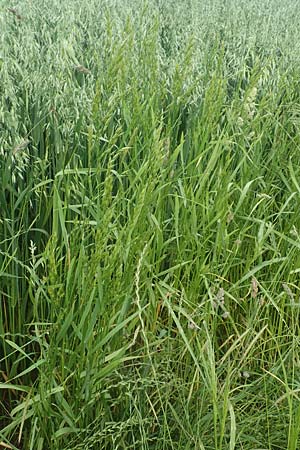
pixel 149 225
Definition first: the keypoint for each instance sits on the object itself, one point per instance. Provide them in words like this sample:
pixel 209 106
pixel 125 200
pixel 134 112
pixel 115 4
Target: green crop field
pixel 150 225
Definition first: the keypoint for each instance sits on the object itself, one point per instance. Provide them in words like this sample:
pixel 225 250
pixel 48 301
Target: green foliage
pixel 149 226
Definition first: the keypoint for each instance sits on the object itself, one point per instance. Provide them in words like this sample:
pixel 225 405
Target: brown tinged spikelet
pixel 193 326
pixel 81 69
pixel 52 110
pixel 254 287
pixel 24 144
pixel 15 13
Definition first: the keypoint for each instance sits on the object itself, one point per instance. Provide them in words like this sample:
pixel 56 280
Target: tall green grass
pixel 149 226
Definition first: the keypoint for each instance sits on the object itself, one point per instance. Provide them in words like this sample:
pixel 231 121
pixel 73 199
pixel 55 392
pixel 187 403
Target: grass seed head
pixel 81 69
pixel 24 144
pixel 254 287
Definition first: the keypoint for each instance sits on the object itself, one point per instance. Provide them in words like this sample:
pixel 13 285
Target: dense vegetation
pixel 149 225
